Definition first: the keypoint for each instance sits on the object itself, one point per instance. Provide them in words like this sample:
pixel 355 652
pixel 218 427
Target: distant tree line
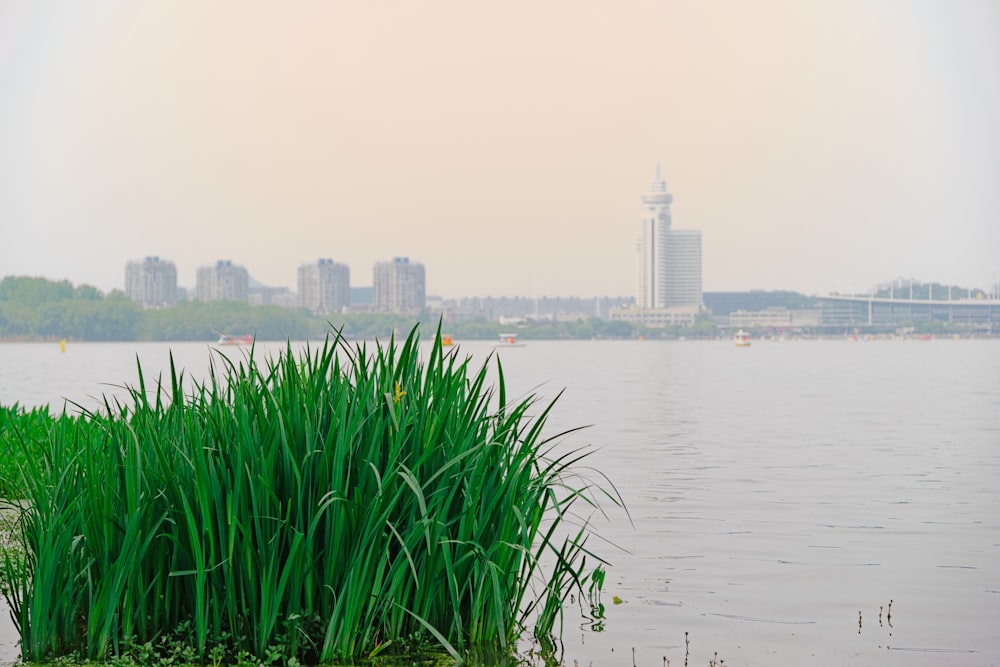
pixel 37 309
pixel 724 303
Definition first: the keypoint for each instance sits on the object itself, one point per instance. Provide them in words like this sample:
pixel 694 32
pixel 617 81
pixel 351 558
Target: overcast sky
pixel 818 145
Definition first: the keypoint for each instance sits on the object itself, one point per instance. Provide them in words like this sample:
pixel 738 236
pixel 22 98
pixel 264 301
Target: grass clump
pixel 17 424
pixel 338 504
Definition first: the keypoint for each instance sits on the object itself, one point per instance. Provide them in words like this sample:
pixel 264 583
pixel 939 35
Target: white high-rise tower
pixel 669 260
pixel 655 227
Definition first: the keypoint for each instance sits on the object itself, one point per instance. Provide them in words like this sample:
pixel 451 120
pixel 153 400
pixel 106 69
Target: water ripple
pixel 919 649
pixel 763 620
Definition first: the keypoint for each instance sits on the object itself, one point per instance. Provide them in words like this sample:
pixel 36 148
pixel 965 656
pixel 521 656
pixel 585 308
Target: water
pixel 775 492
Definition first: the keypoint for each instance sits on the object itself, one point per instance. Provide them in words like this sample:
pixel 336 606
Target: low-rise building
pixel 774 318
pixel 657 317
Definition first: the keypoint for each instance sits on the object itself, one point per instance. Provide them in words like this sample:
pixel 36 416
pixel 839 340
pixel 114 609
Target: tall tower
pixel 669 260
pixel 652 244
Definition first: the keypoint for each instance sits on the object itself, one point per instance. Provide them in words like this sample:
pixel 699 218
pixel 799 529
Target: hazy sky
pixel 820 145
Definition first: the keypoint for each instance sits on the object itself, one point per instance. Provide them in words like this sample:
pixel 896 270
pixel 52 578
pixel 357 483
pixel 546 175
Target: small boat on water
pixel 235 340
pixel 508 340
pixel 447 341
pixel 742 339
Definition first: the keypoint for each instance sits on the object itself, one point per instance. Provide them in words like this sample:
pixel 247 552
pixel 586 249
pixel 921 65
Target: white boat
pixel 742 339
pixel 508 340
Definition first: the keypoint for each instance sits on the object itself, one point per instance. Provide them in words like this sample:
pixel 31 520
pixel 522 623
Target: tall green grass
pixel 330 505
pixel 18 423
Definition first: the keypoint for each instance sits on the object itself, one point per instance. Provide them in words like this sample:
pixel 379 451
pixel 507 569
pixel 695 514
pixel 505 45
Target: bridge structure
pixel 875 311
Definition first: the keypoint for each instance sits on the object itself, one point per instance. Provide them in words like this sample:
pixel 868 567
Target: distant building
pixel 656 317
pixel 668 289
pixel 272 296
pixel 888 312
pixel 528 308
pixel 324 286
pixel 399 286
pixel 224 281
pixel 151 282
pixel 774 317
pixel 682 287
pixel 669 259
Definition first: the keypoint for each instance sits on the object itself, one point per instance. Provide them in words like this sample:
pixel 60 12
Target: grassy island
pixel 348 502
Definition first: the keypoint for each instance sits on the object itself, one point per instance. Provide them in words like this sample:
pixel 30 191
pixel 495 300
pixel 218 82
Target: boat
pixel 235 340
pixel 742 338
pixel 447 341
pixel 508 340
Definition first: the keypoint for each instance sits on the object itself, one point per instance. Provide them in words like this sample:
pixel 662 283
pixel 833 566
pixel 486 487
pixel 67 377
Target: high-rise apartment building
pixel 669 259
pixel 324 286
pixel 151 282
pixel 222 281
pixel 399 286
pixel 682 288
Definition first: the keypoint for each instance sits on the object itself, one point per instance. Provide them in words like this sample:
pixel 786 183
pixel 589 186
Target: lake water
pixel 776 492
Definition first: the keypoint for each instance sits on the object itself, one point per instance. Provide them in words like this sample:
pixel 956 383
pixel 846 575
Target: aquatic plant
pixel 18 422
pixel 343 502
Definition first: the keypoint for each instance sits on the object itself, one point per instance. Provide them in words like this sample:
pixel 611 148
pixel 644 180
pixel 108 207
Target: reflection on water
pixel 780 495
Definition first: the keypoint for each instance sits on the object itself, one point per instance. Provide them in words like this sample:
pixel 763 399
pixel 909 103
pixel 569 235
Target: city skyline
pixel 189 290
pixel 306 270
pixel 819 148
pixel 323 286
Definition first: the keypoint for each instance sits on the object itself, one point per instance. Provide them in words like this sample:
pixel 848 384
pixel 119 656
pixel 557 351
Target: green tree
pixel 33 291
pixel 87 293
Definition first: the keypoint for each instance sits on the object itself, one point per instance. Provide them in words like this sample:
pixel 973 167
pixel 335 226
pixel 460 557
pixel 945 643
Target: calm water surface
pixel 775 492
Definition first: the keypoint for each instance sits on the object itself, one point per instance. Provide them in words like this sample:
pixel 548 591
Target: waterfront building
pixel 656 317
pixel 324 286
pixel 775 317
pixel 399 286
pixel 839 311
pixel 668 289
pixel 681 287
pixel 669 259
pixel 223 281
pixel 151 282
